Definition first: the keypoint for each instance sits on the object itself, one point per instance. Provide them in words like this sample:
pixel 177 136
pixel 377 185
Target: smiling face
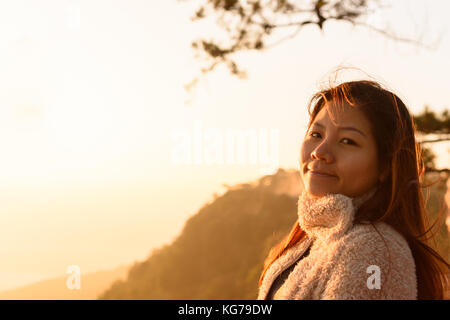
pixel 342 147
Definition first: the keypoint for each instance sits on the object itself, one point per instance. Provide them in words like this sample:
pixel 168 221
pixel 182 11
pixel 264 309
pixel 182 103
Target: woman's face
pixel 344 150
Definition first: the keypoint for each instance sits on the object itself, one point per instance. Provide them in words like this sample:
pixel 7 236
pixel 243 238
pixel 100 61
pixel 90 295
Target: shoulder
pixel 377 244
pixel 376 239
pixel 377 250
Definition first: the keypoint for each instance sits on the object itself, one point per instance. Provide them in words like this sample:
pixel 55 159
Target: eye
pixel 349 141
pixel 312 134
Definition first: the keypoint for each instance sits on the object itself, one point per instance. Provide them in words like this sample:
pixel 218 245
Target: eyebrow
pixel 342 128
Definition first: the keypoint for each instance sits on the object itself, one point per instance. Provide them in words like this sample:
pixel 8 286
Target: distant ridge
pixel 218 255
pixel 220 252
pixel 92 284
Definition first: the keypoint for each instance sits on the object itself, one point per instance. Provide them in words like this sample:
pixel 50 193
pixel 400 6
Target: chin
pixel 319 192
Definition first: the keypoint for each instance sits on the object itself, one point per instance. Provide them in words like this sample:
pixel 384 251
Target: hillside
pixel 220 252
pixel 92 284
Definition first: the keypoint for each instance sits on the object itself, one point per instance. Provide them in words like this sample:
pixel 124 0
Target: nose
pixel 322 152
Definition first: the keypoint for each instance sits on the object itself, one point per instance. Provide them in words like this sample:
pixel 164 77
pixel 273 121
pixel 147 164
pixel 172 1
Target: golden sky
pixel 91 95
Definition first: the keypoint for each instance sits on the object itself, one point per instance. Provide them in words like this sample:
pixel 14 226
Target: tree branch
pixel 435 140
pixel 249 22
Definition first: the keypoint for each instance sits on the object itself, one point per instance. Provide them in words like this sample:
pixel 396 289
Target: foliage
pixel 251 25
pixel 428 122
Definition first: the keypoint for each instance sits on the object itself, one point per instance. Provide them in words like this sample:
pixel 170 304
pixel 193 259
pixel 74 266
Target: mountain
pixel 92 284
pixel 220 251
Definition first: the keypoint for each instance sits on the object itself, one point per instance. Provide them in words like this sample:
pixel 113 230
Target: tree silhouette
pixel 250 25
pixel 428 123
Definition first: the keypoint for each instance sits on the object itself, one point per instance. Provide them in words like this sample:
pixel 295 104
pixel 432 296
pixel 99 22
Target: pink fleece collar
pixel 329 216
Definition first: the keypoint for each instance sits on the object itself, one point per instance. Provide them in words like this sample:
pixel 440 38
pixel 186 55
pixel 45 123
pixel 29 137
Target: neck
pixel 358 201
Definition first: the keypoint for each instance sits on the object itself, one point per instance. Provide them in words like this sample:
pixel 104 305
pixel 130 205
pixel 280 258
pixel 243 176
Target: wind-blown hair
pixel 398 200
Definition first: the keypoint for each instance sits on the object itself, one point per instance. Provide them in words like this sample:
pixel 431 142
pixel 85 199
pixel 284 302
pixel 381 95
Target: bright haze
pixel 92 111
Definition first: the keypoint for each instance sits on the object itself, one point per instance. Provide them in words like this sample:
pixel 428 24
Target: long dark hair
pixel 398 200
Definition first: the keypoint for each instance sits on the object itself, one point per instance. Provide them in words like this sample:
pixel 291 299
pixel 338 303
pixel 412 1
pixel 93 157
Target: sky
pixel 102 160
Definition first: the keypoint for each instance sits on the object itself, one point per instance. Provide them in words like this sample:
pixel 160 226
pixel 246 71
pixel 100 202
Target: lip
pixel 321 174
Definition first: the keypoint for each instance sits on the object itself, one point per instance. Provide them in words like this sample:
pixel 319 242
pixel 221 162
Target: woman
pixel 360 232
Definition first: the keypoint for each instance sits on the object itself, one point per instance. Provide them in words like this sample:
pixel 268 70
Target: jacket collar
pixel 279 265
pixel 324 218
pixel 329 216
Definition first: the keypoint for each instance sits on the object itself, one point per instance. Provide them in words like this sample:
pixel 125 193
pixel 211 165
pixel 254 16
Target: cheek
pixel 364 167
pixel 305 151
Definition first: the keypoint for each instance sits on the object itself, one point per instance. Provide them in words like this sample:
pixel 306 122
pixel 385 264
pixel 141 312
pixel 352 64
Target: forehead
pixel 342 116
